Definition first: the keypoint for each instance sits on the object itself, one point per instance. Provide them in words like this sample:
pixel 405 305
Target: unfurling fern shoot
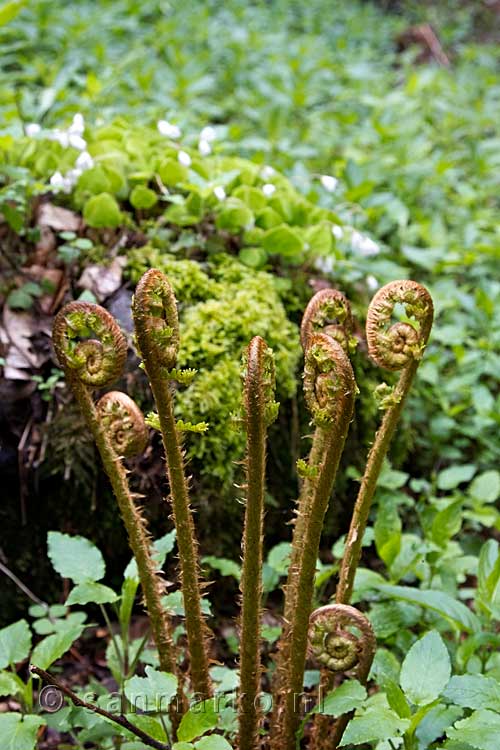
pixel 394 347
pixel 92 350
pixel 260 410
pixel 157 331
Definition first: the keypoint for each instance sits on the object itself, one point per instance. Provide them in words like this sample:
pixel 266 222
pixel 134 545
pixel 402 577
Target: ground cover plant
pixel 257 157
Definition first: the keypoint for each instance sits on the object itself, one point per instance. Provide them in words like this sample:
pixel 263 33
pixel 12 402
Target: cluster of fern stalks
pixel 92 350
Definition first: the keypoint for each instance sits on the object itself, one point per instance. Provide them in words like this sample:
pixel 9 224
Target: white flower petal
pixel 168 130
pixel 57 181
pixel 204 147
pixel 364 245
pixel 32 129
pixel 329 182
pixel 219 192
pixel 84 161
pixel 77 127
pixel 267 172
pixel 325 265
pixel 184 158
pixel 372 283
pixel 77 141
pixel 268 189
pixel 208 134
pixel 337 231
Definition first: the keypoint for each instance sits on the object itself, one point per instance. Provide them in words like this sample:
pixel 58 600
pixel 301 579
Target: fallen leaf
pixel 60 219
pixel 102 281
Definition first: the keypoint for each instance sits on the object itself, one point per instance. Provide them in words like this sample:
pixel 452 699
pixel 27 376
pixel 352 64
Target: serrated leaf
pixel 426 670
pixel 15 643
pixel 9 685
pixel 54 646
pixel 438 601
pixel 375 725
pixel 75 557
pixel 350 695
pixel 481 730
pixel 19 732
pixel 91 592
pixel 153 692
pixel 198 720
pixel 473 691
pixel 435 722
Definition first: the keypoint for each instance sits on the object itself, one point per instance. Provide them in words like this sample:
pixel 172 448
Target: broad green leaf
pixel 223 565
pixel 481 730
pixel 486 486
pixel 171 172
pixel 234 215
pixel 161 548
pixel 374 725
pixel 488 588
pixel 75 557
pixel 91 592
pixel 213 742
pixel 396 699
pixel 153 692
pixel 197 721
pixel 474 691
pixel 128 592
pixel 426 670
pixel 283 241
pixel 15 643
pixel 102 211
pixel 350 695
pixel 10 684
pixel 142 197
pixel 450 478
pixel 19 732
pixel 438 601
pixel 54 646
pixel 435 722
pixel 182 746
pixel 9 10
pixel 227 679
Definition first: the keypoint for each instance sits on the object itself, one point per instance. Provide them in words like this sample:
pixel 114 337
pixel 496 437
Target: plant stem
pixel 120 719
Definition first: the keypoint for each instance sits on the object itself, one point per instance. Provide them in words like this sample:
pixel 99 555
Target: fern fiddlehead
pixel 91 349
pixel 124 422
pixel 157 331
pixel 329 311
pixel 329 389
pixel 337 649
pixel 396 347
pixel 260 411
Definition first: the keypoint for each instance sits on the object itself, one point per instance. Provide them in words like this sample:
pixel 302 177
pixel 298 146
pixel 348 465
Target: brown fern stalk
pixel 118 429
pixel 329 388
pixel 260 410
pixel 398 347
pixel 157 331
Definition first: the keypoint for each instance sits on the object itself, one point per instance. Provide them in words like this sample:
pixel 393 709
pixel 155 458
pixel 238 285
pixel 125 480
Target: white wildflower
pixel 84 161
pixel 77 127
pixel 219 192
pixel 325 265
pixel 57 181
pixel 364 245
pixel 168 130
pixel 337 231
pixel 268 189
pixel 76 141
pixel 184 158
pixel 204 147
pixel 71 178
pixel 329 182
pixel 267 172
pixel 372 283
pixel 61 136
pixel 208 134
pixel 32 129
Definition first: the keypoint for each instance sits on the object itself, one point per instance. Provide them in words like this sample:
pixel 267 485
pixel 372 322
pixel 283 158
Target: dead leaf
pixel 60 219
pixel 102 281
pixel 15 334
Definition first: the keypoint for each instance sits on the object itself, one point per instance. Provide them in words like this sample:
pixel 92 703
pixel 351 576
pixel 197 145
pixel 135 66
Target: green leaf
pixel 253 257
pixel 161 548
pixel 481 730
pixel 450 478
pixel 375 725
pixel 350 695
pixel 128 592
pixel 102 211
pixel 54 646
pixel 9 684
pixel 15 643
pixel 171 172
pixel 474 691
pixel 19 732
pixel 9 10
pixel 447 523
pixel 426 670
pixel 396 699
pixel 435 722
pixel 153 692
pixel 486 486
pixel 142 197
pixel 438 601
pixel 488 576
pixel 283 241
pixel 223 565
pixel 234 215
pixel 75 557
pixel 213 742
pixel 198 720
pixel 91 592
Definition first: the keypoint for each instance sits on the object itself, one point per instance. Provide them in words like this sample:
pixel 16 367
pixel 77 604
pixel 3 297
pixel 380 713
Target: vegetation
pixel 259 152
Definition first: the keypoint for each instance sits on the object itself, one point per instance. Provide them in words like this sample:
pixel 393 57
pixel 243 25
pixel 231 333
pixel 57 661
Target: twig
pixel 4 569
pixel 120 719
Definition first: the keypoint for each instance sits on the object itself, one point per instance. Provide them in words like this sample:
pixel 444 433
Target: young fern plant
pixel 92 350
pixel 260 410
pixel 156 323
